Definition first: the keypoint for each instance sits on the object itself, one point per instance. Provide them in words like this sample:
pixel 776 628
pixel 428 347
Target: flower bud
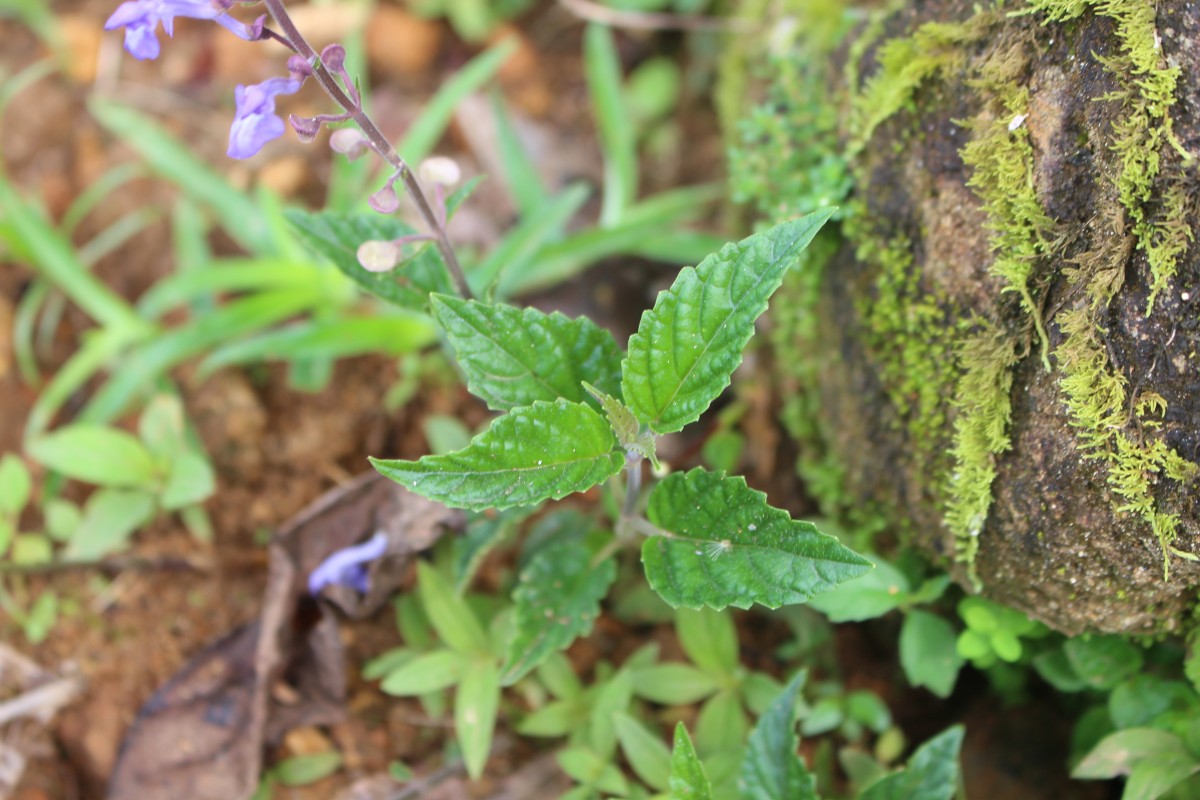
pixel 385 201
pixel 334 57
pixel 378 256
pixel 348 141
pixel 306 128
pixel 440 171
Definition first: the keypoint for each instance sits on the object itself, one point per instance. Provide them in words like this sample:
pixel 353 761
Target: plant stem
pixel 633 489
pixel 378 141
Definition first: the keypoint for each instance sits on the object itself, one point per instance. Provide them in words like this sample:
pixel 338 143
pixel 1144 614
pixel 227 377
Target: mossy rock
pixel 997 349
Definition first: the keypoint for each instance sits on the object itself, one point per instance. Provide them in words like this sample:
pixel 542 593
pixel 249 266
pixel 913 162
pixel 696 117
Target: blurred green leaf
pixel 511 258
pixel 872 595
pixel 709 639
pixel 31 548
pixel 1103 661
pixel 520 173
pixel 475 706
pixel 15 485
pixel 456 624
pixel 928 653
pixel 645 751
pixel 190 479
pixel 674 684
pixel 109 517
pixel 306 769
pixel 96 454
pixel 602 68
pixel 424 673
pixel 932 772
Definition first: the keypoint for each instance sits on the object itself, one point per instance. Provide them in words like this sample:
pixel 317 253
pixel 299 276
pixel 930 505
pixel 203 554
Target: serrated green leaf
pixel 109 518
pixel 96 454
pixel 931 774
pixel 513 356
pixel 709 639
pixel 688 345
pixel 723 545
pixel 771 770
pixel 687 780
pixel 539 452
pixel 928 652
pixel 15 485
pixel 646 753
pixel 301 770
pixel 475 706
pixel 557 599
pixel 336 237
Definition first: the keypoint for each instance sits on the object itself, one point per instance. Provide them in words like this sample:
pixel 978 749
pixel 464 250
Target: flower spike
pixel 140 20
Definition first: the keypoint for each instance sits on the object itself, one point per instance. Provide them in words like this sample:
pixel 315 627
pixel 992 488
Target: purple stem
pixel 378 141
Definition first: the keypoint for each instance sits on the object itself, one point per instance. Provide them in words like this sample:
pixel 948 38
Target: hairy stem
pixel 378 141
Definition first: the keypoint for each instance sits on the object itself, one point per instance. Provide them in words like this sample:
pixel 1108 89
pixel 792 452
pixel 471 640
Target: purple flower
pixel 140 18
pixel 348 566
pixel 255 122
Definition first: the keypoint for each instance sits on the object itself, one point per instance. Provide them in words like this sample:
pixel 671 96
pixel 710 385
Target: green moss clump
pixel 1142 131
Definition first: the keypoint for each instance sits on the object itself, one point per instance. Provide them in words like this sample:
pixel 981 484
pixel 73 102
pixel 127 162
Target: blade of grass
pixel 24 324
pixel 229 275
pixel 328 339
pixel 28 232
pixel 171 159
pixel 93 195
pixel 117 234
pixel 141 368
pixel 425 132
pixel 508 260
pixel 602 68
pixel 189 238
pixel 520 173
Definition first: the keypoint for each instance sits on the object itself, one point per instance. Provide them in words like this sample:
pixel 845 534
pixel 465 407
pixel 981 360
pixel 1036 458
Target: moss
pixel 980 434
pixel 1142 131
pixel 904 64
pixel 1097 399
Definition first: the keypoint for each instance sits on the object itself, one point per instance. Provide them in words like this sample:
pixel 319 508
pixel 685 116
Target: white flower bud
pixel 378 256
pixel 440 170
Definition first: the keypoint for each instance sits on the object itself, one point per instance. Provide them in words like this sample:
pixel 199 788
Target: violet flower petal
pixel 255 122
pixel 348 566
pixel 140 19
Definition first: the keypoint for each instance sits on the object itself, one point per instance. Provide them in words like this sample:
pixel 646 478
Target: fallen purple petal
pixel 348 566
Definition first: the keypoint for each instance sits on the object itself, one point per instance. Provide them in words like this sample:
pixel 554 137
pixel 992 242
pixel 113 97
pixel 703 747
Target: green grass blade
pixel 509 259
pixel 428 128
pixel 520 173
pixel 173 160
pixel 602 68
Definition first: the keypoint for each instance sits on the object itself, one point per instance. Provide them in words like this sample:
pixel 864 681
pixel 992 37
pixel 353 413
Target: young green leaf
pixel 475 706
pixel 723 545
pixel 771 770
pixel 96 454
pixel 109 518
pixel 423 674
pixel 190 480
pixel 301 770
pixel 531 454
pixel 674 684
pixel 687 780
pixel 928 653
pixel 722 724
pixel 557 599
pixel 931 774
pixel 688 345
pixel 15 485
pixel 649 757
pixel 513 357
pixel 625 425
pixel 709 639
pixel 449 614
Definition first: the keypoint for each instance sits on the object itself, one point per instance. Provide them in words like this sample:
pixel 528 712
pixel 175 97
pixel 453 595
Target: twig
pixel 200 564
pixel 378 141
pixel 653 21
